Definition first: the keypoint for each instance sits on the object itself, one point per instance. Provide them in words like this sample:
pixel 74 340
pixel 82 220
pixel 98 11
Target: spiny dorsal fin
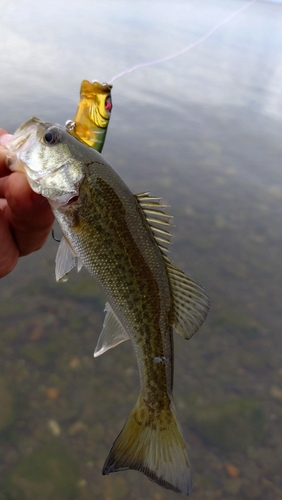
pixel 157 219
pixel 112 333
pixel 190 302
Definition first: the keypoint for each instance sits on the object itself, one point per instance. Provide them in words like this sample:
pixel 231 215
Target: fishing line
pixel 189 47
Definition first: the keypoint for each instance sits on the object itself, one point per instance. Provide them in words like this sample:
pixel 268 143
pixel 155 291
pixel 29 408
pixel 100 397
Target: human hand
pixel 26 218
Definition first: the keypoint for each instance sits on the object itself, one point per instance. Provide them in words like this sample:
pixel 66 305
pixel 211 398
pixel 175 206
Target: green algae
pixel 234 424
pixel 42 353
pixel 232 319
pixel 11 308
pixel 49 473
pixel 7 405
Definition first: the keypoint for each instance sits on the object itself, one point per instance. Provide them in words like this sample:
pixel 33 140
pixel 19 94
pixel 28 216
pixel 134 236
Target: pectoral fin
pixel 190 302
pixel 112 333
pixel 65 260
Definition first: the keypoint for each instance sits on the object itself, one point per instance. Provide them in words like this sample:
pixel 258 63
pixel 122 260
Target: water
pixel 203 131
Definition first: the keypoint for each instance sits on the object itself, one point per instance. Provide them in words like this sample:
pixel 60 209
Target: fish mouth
pixel 20 148
pixel 20 144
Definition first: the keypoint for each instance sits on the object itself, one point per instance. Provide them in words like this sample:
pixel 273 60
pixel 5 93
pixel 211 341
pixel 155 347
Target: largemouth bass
pixel 121 239
pixel 92 117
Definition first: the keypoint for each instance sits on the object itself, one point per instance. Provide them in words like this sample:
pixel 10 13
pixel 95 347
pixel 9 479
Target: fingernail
pixel 4 139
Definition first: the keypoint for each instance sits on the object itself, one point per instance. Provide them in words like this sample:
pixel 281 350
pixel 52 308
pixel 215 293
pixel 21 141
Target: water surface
pixel 204 131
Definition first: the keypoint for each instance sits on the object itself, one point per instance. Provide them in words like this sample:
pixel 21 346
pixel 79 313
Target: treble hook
pixel 54 237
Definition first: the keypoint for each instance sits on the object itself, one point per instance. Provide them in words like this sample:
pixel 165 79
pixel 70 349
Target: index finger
pixel 4 138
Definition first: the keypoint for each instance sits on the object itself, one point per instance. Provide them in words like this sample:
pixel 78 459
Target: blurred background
pixel 203 131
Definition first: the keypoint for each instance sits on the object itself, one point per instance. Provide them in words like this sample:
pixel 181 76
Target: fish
pixel 91 120
pixel 122 239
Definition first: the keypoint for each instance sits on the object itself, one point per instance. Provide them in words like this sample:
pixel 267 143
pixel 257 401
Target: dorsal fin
pixel 158 220
pixel 190 302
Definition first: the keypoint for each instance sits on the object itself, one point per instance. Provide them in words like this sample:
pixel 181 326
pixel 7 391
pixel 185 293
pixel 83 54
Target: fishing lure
pixel 92 117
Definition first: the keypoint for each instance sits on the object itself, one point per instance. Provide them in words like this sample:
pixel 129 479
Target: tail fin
pixel 152 443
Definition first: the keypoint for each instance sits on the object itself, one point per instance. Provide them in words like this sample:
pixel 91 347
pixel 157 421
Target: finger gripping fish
pixel 122 240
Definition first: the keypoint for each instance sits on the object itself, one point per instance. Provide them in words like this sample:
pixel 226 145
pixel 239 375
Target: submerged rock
pixel 47 474
pixel 234 424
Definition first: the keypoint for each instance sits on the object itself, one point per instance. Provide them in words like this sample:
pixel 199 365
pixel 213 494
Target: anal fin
pixel 112 333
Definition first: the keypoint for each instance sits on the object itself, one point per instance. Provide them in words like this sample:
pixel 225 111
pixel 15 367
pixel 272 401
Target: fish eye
pixel 51 137
pixel 108 104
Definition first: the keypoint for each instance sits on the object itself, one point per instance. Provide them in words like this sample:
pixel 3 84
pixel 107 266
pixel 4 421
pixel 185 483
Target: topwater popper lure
pixel 92 117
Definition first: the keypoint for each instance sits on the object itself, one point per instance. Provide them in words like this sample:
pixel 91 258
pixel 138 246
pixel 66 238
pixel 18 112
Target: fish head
pixel 44 152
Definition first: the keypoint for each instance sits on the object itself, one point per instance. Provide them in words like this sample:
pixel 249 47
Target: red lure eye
pixel 108 104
